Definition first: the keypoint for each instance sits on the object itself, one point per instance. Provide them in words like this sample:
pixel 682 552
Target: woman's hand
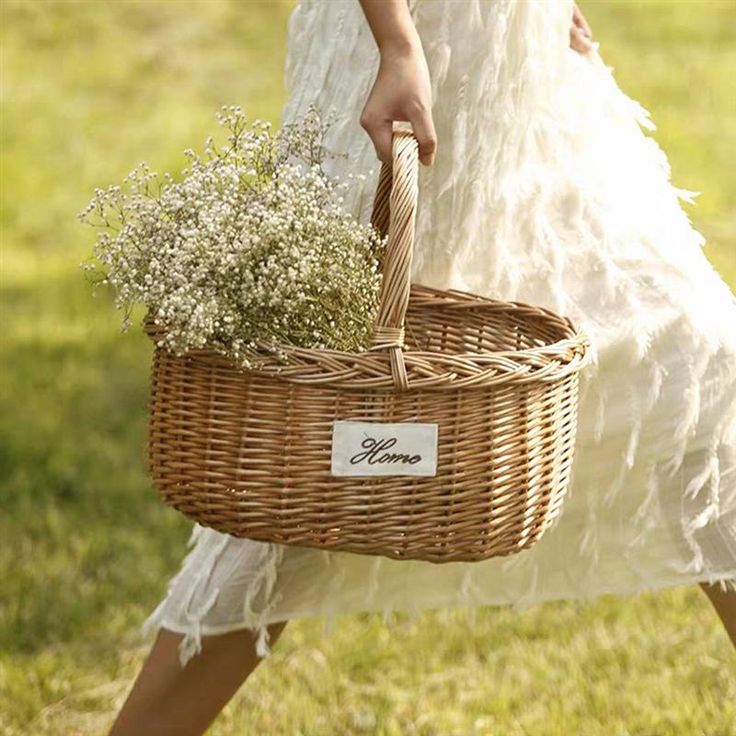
pixel 401 91
pixel 581 37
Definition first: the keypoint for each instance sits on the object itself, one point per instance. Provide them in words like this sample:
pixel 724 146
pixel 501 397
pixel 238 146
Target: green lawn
pixel 90 88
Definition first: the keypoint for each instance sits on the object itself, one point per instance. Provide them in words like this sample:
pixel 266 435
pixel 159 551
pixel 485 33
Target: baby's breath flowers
pixel 248 250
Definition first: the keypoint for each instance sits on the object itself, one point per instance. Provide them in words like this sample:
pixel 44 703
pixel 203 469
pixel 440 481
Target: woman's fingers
pixel 380 132
pixel 579 20
pixel 579 41
pixel 580 33
pixel 423 127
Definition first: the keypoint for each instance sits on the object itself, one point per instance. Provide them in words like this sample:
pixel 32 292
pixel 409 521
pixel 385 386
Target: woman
pixel 538 186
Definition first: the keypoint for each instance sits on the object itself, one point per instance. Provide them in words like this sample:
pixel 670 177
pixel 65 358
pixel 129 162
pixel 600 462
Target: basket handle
pixel 394 214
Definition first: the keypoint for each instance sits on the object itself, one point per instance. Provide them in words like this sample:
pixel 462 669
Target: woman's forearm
pixel 391 25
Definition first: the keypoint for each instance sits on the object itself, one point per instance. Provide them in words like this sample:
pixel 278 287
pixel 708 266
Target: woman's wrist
pixel 400 46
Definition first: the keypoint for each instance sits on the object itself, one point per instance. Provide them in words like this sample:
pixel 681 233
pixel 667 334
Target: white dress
pixel 545 189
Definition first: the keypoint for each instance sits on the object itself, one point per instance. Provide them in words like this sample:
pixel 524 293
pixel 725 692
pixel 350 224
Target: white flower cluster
pixel 249 250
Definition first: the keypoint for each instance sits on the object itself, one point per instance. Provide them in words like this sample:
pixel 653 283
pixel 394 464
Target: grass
pixel 90 88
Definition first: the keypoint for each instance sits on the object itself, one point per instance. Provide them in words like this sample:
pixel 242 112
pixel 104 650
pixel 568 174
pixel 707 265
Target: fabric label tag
pixel 383 448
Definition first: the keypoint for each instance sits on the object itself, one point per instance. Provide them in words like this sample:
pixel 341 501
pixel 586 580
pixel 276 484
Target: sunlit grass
pixel 89 89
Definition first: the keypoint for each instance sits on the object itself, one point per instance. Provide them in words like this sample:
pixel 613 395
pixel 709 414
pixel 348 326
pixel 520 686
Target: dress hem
pixel 192 633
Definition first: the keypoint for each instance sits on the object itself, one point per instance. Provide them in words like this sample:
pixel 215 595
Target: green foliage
pixel 87 548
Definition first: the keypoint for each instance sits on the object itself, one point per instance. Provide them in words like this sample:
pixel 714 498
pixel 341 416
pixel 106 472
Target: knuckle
pixel 366 121
pixel 416 107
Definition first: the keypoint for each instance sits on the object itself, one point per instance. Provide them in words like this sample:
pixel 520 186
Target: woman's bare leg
pixel 168 700
pixel 725 605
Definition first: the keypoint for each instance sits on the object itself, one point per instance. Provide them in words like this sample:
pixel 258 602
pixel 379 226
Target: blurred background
pixel 89 90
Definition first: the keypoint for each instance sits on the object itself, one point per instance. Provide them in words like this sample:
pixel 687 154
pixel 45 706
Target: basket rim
pixel 425 368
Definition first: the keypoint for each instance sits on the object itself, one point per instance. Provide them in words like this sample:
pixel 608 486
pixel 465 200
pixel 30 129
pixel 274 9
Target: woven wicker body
pixel 248 452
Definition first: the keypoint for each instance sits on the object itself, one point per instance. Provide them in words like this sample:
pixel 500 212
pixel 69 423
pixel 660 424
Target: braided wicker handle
pixel 394 213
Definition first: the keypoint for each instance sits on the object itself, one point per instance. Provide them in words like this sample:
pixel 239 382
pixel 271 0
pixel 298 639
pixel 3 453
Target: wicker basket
pixel 249 452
